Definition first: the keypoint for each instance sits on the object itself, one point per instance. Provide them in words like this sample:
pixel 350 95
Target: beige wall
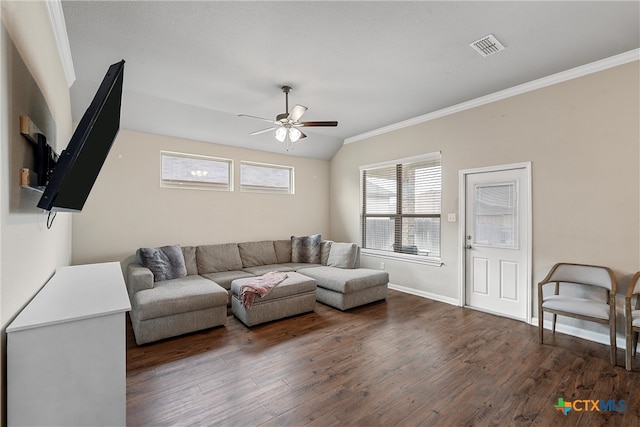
pixel 128 209
pixel 582 137
pixel 31 83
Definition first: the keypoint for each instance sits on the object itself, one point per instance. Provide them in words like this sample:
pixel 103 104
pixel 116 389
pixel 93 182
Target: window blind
pixel 266 178
pixel 401 206
pixel 180 170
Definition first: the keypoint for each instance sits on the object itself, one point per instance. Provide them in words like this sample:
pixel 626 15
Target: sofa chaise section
pixel 168 308
pixel 346 288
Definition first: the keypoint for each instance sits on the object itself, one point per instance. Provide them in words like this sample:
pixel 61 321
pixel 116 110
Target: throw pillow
pixel 166 262
pixel 343 255
pixel 189 253
pixel 325 249
pixel 306 249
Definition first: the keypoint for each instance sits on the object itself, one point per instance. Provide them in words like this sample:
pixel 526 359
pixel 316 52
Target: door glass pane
pixel 496 215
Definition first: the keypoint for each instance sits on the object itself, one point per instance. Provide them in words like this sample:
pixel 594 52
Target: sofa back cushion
pixel 325 250
pixel 283 250
pixel 343 255
pixel 189 253
pixel 257 253
pixel 217 258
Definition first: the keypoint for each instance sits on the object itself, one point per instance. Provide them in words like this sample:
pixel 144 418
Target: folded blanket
pixel 260 286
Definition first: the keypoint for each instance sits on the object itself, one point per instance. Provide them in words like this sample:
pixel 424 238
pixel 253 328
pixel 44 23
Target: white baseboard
pixel 424 294
pixel 582 333
pixel 563 329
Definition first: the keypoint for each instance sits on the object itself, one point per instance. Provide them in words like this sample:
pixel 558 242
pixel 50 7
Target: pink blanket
pixel 260 286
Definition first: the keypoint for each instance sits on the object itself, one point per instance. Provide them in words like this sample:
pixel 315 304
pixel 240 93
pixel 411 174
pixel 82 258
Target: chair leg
pixel 553 323
pixel 634 343
pixel 629 350
pixel 614 346
pixel 540 326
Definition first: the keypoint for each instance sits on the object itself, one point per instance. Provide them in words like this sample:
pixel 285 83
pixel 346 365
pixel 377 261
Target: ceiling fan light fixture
pixel 285 124
pixel 281 134
pixel 294 134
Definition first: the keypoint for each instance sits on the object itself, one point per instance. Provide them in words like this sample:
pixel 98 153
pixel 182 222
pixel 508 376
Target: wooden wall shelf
pixel 29 181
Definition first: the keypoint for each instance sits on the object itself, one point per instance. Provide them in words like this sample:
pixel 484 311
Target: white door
pixel 497 241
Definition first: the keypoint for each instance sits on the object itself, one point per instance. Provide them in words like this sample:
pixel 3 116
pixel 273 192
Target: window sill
pixel 416 259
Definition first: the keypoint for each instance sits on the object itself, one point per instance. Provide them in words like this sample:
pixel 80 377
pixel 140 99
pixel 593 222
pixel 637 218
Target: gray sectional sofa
pixel 176 290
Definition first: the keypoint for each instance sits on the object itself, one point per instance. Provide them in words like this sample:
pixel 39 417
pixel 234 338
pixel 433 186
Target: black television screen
pixel 79 164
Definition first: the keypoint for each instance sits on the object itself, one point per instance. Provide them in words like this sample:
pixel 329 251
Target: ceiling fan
pixel 286 124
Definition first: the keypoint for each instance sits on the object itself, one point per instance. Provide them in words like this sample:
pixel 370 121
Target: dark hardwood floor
pixel 408 361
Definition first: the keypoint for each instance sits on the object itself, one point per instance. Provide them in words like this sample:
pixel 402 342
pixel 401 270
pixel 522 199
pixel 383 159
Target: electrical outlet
pixel 451 217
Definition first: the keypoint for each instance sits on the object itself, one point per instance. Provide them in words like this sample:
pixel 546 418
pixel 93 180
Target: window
pixel 192 171
pixel 266 178
pixel 401 208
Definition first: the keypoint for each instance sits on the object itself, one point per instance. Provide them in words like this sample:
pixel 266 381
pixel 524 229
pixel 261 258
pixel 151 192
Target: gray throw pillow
pixel 189 253
pixel 166 262
pixel 343 255
pixel 306 249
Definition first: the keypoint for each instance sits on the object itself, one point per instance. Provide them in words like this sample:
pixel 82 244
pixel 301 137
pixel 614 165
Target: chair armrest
pixel 138 278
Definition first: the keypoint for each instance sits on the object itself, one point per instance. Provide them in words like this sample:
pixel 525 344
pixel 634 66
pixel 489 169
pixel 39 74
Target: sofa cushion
pixel 187 294
pixel 217 258
pixel 189 253
pixel 283 250
pixel 224 278
pixel 345 280
pixel 306 249
pixel 259 270
pixel 257 253
pixel 325 250
pixel 166 262
pixel 295 266
pixel 343 255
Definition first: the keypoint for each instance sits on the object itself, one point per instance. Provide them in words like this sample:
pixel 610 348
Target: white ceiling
pixel 192 67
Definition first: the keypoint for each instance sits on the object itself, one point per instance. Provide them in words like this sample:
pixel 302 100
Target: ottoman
pixel 345 288
pixel 295 295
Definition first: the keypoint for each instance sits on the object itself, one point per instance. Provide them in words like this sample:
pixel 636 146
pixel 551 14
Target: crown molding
pixel 59 27
pixel 594 67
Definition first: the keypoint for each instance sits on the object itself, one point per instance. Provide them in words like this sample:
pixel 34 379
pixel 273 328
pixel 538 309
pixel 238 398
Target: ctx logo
pixel 590 406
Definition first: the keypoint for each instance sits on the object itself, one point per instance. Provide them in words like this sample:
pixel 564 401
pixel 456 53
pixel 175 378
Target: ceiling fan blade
pixel 330 123
pixel 256 117
pixel 262 131
pixel 296 113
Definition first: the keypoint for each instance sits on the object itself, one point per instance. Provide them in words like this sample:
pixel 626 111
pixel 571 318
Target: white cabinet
pixel 66 351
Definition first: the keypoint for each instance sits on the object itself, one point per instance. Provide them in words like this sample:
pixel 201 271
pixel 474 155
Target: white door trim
pixel 462 220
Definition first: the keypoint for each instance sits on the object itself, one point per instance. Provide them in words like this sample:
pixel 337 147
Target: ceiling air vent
pixel 487 45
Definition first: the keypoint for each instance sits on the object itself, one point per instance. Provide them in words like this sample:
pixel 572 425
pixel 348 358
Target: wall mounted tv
pixel 79 164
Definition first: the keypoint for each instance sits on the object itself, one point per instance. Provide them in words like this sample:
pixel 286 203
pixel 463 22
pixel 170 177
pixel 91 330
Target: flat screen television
pixel 79 164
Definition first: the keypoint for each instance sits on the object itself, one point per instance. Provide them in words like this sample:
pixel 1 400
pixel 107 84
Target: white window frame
pixel 194 183
pixel 420 259
pixel 266 189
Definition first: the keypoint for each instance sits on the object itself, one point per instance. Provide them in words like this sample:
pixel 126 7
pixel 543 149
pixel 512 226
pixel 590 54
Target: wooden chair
pixel 590 304
pixel 632 318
